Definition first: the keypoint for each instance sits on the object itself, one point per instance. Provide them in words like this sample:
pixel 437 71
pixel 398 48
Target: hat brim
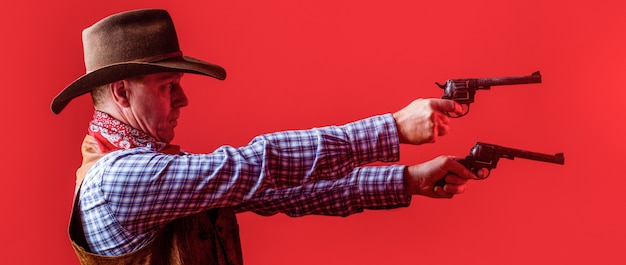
pixel 120 71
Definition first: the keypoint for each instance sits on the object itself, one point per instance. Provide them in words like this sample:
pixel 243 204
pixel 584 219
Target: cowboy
pixel 141 200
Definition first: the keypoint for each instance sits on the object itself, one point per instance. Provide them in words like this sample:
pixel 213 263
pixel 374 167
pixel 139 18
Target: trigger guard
pixel 465 111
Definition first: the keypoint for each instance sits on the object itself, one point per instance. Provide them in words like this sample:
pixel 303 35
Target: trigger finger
pixel 482 173
pixel 458 109
pixel 454 179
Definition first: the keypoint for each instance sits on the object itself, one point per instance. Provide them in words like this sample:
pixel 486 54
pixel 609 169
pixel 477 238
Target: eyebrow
pixel 170 75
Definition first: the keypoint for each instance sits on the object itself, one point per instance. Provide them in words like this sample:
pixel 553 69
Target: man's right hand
pixel 424 120
pixel 422 179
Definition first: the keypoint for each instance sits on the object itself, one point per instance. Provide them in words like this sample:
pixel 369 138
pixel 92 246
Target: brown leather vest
pixel 210 237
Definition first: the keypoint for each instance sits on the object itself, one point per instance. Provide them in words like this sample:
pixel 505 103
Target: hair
pixel 99 95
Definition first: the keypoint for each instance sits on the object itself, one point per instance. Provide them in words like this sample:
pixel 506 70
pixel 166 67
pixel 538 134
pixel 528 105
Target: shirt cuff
pixel 382 187
pixel 374 139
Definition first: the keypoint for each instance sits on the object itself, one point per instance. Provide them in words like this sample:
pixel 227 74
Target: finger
pixel 443 122
pixel 454 189
pixel 458 109
pixel 454 179
pixel 441 193
pixel 446 105
pixel 442 129
pixel 482 173
pixel 442 118
pixel 457 168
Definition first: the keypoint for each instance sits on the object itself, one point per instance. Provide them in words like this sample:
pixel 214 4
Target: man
pixel 140 200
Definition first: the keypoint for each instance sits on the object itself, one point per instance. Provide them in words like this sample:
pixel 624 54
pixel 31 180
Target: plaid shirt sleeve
pixel 364 188
pixel 131 192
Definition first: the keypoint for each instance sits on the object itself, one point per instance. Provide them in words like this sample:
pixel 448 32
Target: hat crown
pixel 129 44
pixel 139 35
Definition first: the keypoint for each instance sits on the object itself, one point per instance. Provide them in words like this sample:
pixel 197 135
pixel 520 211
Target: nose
pixel 179 99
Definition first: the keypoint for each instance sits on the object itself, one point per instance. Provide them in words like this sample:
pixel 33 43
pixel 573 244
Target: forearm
pixel 329 152
pixel 380 187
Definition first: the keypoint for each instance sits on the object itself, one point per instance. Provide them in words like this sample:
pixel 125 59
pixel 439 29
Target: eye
pixel 173 87
pixel 168 87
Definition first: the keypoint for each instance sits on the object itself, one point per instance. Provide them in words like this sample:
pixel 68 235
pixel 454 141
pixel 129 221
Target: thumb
pixel 446 105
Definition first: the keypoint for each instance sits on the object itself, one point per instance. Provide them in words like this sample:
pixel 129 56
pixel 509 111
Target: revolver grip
pixel 467 163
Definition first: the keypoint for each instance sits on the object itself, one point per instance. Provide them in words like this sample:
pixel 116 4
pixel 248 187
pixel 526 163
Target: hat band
pixel 159 57
pixel 150 59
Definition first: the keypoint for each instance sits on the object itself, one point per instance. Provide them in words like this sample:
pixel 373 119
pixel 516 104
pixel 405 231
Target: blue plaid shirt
pixel 128 195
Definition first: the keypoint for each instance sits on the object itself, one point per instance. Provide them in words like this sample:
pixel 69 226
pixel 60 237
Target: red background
pixel 302 64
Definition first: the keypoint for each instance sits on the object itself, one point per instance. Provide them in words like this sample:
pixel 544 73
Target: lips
pixel 174 117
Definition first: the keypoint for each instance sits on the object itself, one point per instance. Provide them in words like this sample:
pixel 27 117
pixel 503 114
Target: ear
pixel 119 91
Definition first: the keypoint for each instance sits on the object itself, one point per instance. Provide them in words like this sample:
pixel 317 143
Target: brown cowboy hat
pixel 129 44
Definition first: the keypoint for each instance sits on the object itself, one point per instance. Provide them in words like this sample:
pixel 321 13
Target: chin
pixel 166 138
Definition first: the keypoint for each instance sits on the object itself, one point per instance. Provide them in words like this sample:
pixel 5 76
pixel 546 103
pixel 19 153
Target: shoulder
pixel 123 162
pixel 127 159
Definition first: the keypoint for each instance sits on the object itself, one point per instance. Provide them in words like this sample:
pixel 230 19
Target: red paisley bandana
pixel 112 134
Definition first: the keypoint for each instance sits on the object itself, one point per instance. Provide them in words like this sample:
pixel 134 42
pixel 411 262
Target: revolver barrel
pixel 485 83
pixel 489 152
